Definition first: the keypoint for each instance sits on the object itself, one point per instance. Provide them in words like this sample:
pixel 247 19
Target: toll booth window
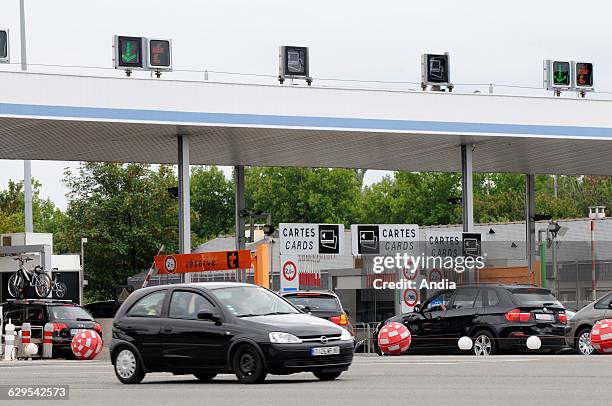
pixel 148 306
pixel 187 305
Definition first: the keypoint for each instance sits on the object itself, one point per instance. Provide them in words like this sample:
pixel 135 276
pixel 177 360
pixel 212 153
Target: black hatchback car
pixel 67 319
pixel 496 317
pixel 214 327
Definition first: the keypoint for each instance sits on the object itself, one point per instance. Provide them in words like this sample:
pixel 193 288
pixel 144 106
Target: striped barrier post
pixel 26 333
pixel 9 340
pixel 48 341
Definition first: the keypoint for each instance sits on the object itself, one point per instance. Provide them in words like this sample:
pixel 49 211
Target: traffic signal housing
pixel 557 75
pixel 435 70
pixel 159 54
pixel 583 76
pixel 4 46
pixel 293 64
pixel 129 53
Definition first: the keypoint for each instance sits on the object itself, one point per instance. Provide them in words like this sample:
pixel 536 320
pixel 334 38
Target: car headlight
pixel 283 338
pixel 345 336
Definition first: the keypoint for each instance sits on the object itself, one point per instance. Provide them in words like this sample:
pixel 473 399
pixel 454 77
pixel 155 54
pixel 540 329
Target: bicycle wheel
pixel 60 289
pixel 42 285
pixel 16 286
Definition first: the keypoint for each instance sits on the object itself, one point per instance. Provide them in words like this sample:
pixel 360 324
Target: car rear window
pixel 68 313
pixel 534 297
pixel 315 303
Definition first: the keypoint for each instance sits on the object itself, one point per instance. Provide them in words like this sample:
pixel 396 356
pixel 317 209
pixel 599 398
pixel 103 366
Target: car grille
pixel 321 360
pixel 318 338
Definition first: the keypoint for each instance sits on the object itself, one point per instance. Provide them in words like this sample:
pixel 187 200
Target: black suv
pixel 67 319
pixel 215 327
pixel 496 317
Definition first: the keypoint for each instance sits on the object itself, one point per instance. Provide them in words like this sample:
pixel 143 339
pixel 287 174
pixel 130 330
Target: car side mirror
pixel 610 305
pixel 348 314
pixel 205 315
pixel 417 308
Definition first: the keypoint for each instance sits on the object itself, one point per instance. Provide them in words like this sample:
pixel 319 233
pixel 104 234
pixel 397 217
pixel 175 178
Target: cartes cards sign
pixel 374 239
pixel 310 238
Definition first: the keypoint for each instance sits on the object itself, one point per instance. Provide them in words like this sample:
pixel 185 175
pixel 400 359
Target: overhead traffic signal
pixel 129 53
pixel 159 54
pixel 4 46
pixel 435 71
pixel 293 64
pixel 583 75
pixel 557 75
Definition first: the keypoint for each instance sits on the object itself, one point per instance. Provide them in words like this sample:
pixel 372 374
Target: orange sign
pixel 204 262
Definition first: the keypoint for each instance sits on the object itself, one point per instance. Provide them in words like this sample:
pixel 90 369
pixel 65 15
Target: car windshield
pixel 534 297
pixel 315 302
pixel 247 301
pixel 69 313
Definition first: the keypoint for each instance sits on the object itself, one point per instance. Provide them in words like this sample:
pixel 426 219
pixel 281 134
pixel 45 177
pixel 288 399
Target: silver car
pixel 578 330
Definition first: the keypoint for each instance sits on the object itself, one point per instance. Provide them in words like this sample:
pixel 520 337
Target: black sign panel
pixel 4 46
pixel 472 245
pixel 129 52
pixel 329 239
pixel 437 68
pixel 122 292
pixel 369 240
pixel 232 260
pixel 159 53
pixel 584 74
pixel 296 61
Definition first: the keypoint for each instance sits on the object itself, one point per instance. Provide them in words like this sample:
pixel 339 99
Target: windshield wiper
pixel 248 315
pixel 273 313
pixel 81 319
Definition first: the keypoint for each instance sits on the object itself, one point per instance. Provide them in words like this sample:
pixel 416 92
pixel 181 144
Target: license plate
pixel 324 351
pixel 75 331
pixel 544 317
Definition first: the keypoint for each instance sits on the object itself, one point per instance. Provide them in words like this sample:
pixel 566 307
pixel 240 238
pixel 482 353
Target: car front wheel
pixel 248 365
pixel 326 376
pixel 583 342
pixel 484 344
pixel 128 367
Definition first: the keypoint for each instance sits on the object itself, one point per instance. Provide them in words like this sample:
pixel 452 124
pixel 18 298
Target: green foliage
pixel 126 214
pixel 304 195
pixel 212 203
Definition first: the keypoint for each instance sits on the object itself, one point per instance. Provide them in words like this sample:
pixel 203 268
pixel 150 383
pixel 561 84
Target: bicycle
pixel 23 278
pixel 58 288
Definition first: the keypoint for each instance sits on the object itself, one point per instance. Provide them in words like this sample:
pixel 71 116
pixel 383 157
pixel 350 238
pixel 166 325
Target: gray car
pixel 578 330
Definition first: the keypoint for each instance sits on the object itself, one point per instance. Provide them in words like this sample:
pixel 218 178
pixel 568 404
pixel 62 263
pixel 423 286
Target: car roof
pixel 204 285
pixel 309 293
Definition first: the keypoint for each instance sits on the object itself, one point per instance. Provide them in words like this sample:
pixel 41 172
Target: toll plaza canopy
pixel 83 118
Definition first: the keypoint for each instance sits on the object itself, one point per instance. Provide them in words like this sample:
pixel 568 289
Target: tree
pixel 46 217
pixel 212 203
pixel 304 195
pixel 126 213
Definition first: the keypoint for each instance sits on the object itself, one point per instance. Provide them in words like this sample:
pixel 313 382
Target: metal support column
pixel 27 191
pixel 467 199
pixel 530 228
pixel 184 199
pixel 467 188
pixel 240 205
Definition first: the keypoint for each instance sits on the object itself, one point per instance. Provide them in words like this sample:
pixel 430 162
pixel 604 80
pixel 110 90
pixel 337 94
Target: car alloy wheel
pixel 128 367
pixel 125 364
pixel 584 343
pixel 483 345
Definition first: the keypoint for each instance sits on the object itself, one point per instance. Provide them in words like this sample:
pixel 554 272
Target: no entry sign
pixel 410 297
pixel 289 275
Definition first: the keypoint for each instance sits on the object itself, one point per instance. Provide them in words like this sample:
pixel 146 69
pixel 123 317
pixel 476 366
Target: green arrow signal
pixel 128 56
pixel 560 76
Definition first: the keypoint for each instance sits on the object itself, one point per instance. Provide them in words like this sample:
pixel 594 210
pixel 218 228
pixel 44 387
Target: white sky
pixel 489 41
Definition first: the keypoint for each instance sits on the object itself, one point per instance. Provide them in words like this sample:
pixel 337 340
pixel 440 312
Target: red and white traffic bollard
pixel 9 341
pixel 26 333
pixel 48 341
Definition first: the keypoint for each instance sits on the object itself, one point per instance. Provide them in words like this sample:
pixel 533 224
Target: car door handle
pixel 167 329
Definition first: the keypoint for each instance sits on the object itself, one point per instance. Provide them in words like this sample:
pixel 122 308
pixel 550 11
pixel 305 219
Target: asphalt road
pixel 523 380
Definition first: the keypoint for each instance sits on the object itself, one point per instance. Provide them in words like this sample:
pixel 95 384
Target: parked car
pixel 578 330
pixel 67 319
pixel 496 317
pixel 104 309
pixel 321 304
pixel 223 327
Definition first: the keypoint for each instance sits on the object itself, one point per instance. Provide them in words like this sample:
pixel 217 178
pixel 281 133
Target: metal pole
pixel 184 199
pixel 593 263
pixel 82 274
pixel 555 186
pixel 252 229
pixel 467 189
pixel 22 32
pixel 555 269
pixel 239 181
pixel 542 243
pixel 529 221
pixel 27 191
